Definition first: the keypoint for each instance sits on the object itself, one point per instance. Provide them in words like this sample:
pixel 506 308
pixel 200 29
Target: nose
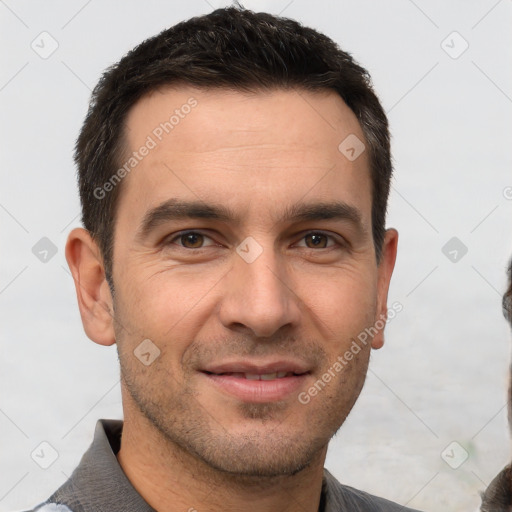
pixel 259 296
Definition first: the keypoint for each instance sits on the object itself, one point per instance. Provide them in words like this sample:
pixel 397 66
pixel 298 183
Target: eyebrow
pixel 337 210
pixel 174 209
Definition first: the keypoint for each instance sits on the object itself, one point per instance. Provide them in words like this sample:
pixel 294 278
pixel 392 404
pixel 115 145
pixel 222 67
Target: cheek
pixel 167 304
pixel 344 304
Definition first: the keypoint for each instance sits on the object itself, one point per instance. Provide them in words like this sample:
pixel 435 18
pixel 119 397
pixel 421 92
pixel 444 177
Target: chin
pixel 254 459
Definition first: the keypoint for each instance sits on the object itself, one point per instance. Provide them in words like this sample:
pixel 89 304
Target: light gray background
pixel 442 375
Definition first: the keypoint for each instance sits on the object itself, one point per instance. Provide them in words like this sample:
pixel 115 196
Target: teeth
pixel 266 376
pixel 257 376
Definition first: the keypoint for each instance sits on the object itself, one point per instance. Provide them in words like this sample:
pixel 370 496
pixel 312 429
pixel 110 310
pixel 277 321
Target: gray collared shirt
pixel 98 484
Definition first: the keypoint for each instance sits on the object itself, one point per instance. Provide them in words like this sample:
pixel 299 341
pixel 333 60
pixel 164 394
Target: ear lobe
pixel 92 290
pixel 385 270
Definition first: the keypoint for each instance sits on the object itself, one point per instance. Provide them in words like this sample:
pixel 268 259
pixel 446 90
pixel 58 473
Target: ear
pixel 92 290
pixel 384 272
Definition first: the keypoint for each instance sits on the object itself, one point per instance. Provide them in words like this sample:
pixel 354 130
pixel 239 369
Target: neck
pixel 171 480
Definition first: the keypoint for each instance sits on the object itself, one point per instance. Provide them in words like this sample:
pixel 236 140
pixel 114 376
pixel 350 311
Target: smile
pixel 258 383
pixel 256 376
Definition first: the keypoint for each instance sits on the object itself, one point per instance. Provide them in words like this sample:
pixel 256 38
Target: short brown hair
pixel 507 312
pixel 229 48
pixel 507 296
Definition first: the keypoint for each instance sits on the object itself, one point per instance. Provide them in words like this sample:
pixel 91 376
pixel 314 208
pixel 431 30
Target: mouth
pixel 257 376
pixel 258 383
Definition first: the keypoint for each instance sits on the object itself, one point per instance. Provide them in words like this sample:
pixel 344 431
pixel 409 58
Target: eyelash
pixel 178 236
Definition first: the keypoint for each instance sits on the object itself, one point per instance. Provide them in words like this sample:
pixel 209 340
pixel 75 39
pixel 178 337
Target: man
pixel 498 496
pixel 234 173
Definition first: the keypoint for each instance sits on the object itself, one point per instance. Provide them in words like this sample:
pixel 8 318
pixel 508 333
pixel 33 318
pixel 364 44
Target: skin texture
pixel 186 442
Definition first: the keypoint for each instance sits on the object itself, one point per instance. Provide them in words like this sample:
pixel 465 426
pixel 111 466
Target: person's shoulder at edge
pixel 339 497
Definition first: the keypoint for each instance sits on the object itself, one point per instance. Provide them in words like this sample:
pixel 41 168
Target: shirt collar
pixel 99 483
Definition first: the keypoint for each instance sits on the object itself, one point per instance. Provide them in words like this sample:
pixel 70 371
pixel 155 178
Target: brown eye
pixel 192 240
pixel 316 240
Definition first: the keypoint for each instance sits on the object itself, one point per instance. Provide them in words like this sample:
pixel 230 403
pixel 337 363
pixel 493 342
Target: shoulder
pixel 50 507
pixel 344 497
pixel 374 503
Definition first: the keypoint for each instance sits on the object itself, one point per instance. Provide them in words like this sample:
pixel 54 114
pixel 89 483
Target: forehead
pixel 245 149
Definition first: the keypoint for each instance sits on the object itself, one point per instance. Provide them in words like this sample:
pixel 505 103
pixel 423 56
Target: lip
pixel 257 391
pixel 259 367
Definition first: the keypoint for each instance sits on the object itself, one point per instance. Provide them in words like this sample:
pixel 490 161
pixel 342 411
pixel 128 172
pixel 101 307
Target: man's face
pixel 253 297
